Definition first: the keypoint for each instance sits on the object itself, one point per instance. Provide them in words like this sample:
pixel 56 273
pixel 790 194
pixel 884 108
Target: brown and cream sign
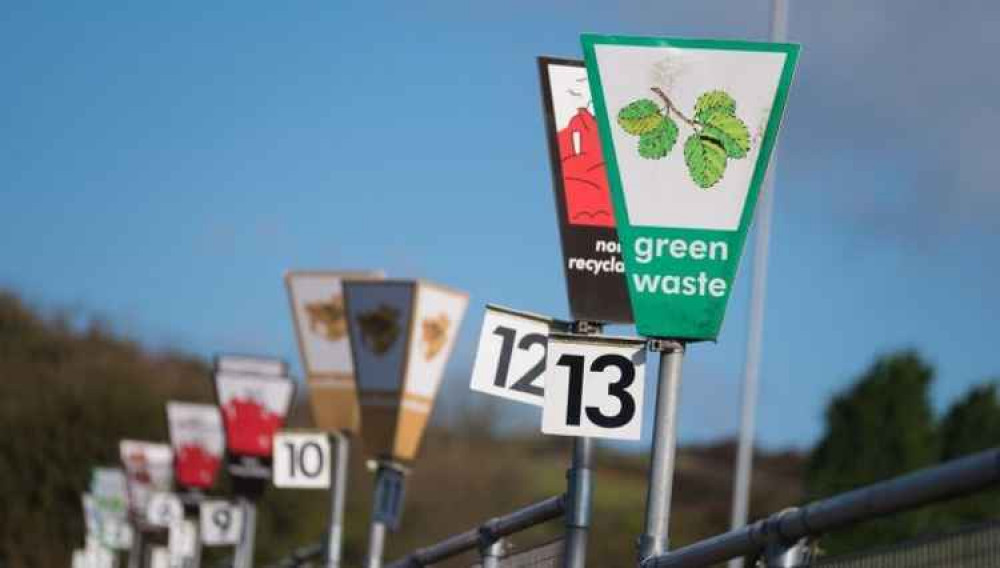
pixel 402 333
pixel 317 302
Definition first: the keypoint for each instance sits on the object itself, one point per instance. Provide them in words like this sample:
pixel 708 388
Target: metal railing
pixel 780 537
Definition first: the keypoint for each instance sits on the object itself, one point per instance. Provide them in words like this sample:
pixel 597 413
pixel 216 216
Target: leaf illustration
pixel 706 160
pixel 640 117
pixel 658 142
pixel 714 101
pixel 729 130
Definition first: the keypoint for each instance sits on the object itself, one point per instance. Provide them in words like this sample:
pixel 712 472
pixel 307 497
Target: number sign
pixel 221 523
pixel 510 362
pixel 594 387
pixel 164 510
pixel 301 460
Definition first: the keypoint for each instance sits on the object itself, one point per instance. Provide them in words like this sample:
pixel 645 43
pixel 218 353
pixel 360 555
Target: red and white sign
pixel 198 441
pixel 148 470
pixel 253 410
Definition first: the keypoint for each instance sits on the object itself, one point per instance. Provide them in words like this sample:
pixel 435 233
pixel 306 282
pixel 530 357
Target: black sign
pixel 592 260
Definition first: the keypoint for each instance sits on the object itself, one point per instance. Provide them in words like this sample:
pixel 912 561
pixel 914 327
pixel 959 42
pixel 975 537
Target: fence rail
pixel 485 534
pixel 783 530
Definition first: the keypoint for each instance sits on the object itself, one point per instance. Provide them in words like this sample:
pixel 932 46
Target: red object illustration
pixel 196 467
pixel 585 182
pixel 250 427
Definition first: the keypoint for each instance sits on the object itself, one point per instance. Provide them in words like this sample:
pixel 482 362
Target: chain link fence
pixel 976 546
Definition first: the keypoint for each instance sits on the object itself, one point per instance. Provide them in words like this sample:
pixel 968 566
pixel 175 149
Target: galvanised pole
pixel 655 538
pixel 338 492
pixel 755 334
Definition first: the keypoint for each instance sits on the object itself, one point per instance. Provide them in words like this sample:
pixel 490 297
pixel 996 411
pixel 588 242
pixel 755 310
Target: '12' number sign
pixel 593 387
pixel 510 361
pixel 301 460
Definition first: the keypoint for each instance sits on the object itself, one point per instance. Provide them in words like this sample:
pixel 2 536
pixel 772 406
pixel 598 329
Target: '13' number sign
pixel 301 460
pixel 511 356
pixel 593 387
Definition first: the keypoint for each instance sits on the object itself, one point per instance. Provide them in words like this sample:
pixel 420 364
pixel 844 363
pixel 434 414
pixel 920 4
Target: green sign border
pixel 678 323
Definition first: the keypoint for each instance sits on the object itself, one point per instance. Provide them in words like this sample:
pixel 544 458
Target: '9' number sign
pixel 301 460
pixel 593 387
pixel 221 523
pixel 511 356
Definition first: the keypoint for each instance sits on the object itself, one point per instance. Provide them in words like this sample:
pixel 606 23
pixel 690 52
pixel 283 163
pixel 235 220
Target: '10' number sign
pixel 510 361
pixel 301 460
pixel 594 386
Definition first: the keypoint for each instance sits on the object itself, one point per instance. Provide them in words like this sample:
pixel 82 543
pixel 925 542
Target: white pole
pixel 755 334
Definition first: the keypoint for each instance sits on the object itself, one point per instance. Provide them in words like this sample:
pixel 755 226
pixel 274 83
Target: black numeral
pixel 526 383
pixel 617 389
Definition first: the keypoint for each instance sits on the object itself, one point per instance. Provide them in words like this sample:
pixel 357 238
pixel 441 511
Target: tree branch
pixel 673 108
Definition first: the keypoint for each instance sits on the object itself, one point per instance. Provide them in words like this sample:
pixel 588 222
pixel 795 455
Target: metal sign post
pixel 655 538
pixel 581 487
pixel 342 448
pixel 244 551
pixel 387 508
pixel 135 552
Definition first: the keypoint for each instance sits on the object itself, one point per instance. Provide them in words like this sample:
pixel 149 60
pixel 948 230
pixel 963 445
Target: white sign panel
pixel 198 442
pixel 148 469
pixel 182 542
pixel 116 533
pixel 263 366
pixel 164 510
pixel 221 523
pixel 80 558
pixel 594 387
pixel 301 460
pixel 159 557
pixel 437 317
pixel 510 362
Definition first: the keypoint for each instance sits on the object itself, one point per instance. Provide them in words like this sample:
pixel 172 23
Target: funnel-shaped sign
pixel 317 301
pixel 687 128
pixel 595 273
pixel 148 470
pixel 402 333
pixel 253 404
pixel 198 442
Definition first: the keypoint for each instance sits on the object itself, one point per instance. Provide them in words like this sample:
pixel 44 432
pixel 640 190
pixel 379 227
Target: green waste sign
pixel 687 128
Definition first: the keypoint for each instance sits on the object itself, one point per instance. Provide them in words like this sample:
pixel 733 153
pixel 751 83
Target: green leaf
pixel 714 101
pixel 728 130
pixel 640 117
pixel 658 142
pixel 706 160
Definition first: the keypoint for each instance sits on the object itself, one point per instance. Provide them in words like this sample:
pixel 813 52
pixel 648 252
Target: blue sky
pixel 163 164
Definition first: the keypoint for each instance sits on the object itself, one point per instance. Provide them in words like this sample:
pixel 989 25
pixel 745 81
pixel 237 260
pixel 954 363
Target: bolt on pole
pixel 244 552
pixel 338 491
pixel 655 538
pixel 491 554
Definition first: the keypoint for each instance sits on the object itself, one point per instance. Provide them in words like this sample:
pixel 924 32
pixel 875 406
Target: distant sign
pixel 687 128
pixel 402 334
pixel 251 365
pixel 198 442
pixel 317 300
pixel 148 470
pixel 164 510
pixel 302 460
pixel 253 409
pixel 594 386
pixel 510 360
pixel 592 260
pixel 221 523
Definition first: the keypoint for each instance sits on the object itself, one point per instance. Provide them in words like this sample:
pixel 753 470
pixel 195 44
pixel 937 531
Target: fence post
pixel 654 540
pixel 580 477
pixel 386 508
pixel 491 553
pixel 342 448
pixel 783 555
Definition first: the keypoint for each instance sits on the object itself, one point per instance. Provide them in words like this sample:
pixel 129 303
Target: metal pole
pixel 580 489
pixel 655 540
pixel 244 552
pixel 135 551
pixel 342 447
pixel 781 555
pixel 491 554
pixel 755 335
pixel 376 544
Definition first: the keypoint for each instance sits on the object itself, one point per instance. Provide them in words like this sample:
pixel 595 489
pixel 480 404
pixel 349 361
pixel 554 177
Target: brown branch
pixel 671 107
